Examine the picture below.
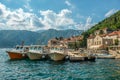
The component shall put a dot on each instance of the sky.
(34, 15)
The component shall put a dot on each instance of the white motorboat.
(36, 52)
(57, 53)
(75, 56)
(105, 56)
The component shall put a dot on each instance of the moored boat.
(90, 58)
(105, 56)
(57, 53)
(81, 56)
(114, 50)
(36, 52)
(75, 56)
(19, 52)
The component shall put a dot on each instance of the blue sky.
(57, 14)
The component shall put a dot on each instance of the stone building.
(53, 42)
(98, 42)
(100, 39)
(115, 35)
(65, 42)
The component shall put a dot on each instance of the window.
(100, 42)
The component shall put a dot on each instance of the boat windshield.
(58, 49)
(26, 48)
(61, 49)
(31, 48)
(36, 48)
(19, 48)
(39, 48)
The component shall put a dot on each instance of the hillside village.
(101, 36)
(72, 42)
(101, 39)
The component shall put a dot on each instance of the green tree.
(56, 38)
(112, 23)
(101, 32)
(61, 38)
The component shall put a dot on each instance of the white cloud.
(59, 20)
(88, 24)
(21, 20)
(27, 5)
(84, 26)
(88, 20)
(18, 19)
(3, 11)
(69, 4)
(109, 13)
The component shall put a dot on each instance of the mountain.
(10, 38)
(112, 23)
(40, 31)
(52, 33)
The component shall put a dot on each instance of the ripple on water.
(101, 69)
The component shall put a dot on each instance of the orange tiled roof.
(73, 38)
(114, 33)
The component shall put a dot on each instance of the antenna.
(22, 44)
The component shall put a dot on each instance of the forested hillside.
(112, 23)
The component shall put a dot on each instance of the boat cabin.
(22, 48)
(58, 49)
(39, 48)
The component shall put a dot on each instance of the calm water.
(101, 69)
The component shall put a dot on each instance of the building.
(115, 35)
(100, 40)
(53, 42)
(74, 41)
(64, 42)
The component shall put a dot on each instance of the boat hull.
(34, 56)
(56, 56)
(16, 55)
(105, 57)
(91, 58)
(74, 58)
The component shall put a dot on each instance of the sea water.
(101, 69)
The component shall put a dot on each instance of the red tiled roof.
(114, 33)
(73, 39)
